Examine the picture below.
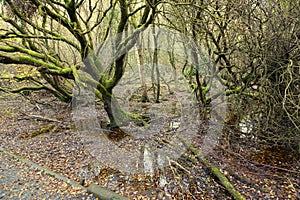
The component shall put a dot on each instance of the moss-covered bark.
(67, 32)
(215, 171)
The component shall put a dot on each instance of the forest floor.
(40, 128)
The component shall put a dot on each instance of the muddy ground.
(40, 128)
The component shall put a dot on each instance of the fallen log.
(223, 179)
(96, 190)
(104, 194)
(215, 171)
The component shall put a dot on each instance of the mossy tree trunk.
(57, 49)
(115, 113)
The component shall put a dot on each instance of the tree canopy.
(254, 45)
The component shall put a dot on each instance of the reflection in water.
(148, 161)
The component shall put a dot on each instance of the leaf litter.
(54, 145)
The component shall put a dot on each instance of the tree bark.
(114, 111)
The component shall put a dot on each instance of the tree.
(255, 48)
(59, 39)
(254, 45)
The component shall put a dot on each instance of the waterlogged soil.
(40, 128)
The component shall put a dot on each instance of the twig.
(180, 166)
(43, 118)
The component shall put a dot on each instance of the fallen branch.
(215, 171)
(104, 194)
(224, 181)
(96, 190)
(46, 171)
(42, 118)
